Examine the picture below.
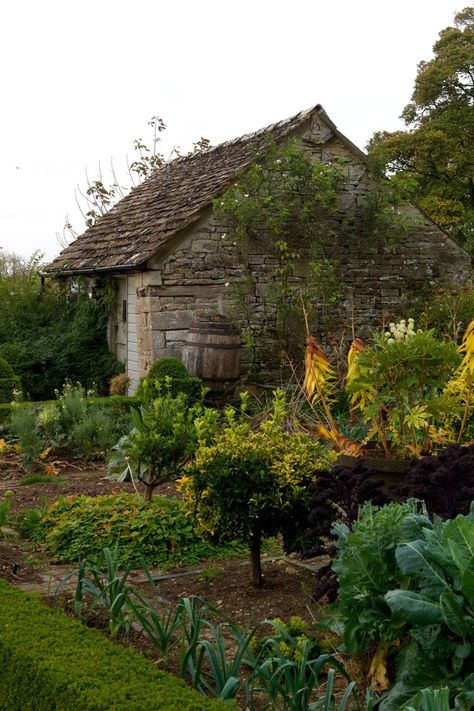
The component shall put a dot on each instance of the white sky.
(80, 80)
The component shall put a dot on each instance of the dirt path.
(87, 478)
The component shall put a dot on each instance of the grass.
(212, 573)
(39, 479)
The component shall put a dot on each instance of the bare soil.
(225, 584)
(73, 477)
(14, 566)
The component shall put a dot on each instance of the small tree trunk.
(149, 488)
(255, 546)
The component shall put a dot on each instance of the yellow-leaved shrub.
(248, 483)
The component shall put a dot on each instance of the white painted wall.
(132, 348)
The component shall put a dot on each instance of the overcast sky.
(80, 80)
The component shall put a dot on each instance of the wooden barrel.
(212, 352)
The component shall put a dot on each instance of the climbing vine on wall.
(287, 200)
(292, 203)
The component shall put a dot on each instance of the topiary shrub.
(170, 367)
(50, 661)
(171, 373)
(8, 381)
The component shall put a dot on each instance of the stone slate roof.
(167, 202)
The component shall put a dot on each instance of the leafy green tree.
(433, 159)
(52, 331)
(165, 434)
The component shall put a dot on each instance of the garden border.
(50, 661)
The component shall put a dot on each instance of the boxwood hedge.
(50, 662)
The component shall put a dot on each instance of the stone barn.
(173, 264)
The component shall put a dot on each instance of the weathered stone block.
(179, 335)
(204, 245)
(178, 320)
(159, 340)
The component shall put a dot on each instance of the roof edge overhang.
(90, 271)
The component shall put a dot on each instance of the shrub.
(246, 484)
(49, 417)
(167, 367)
(95, 433)
(165, 432)
(53, 331)
(9, 382)
(118, 405)
(5, 414)
(13, 354)
(398, 384)
(23, 424)
(87, 426)
(448, 312)
(50, 661)
(119, 384)
(28, 521)
(170, 371)
(159, 532)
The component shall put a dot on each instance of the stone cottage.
(165, 249)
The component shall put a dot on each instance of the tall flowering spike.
(353, 368)
(341, 444)
(317, 369)
(467, 347)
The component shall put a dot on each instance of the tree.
(165, 433)
(53, 331)
(433, 159)
(100, 195)
(247, 484)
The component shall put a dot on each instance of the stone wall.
(201, 273)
